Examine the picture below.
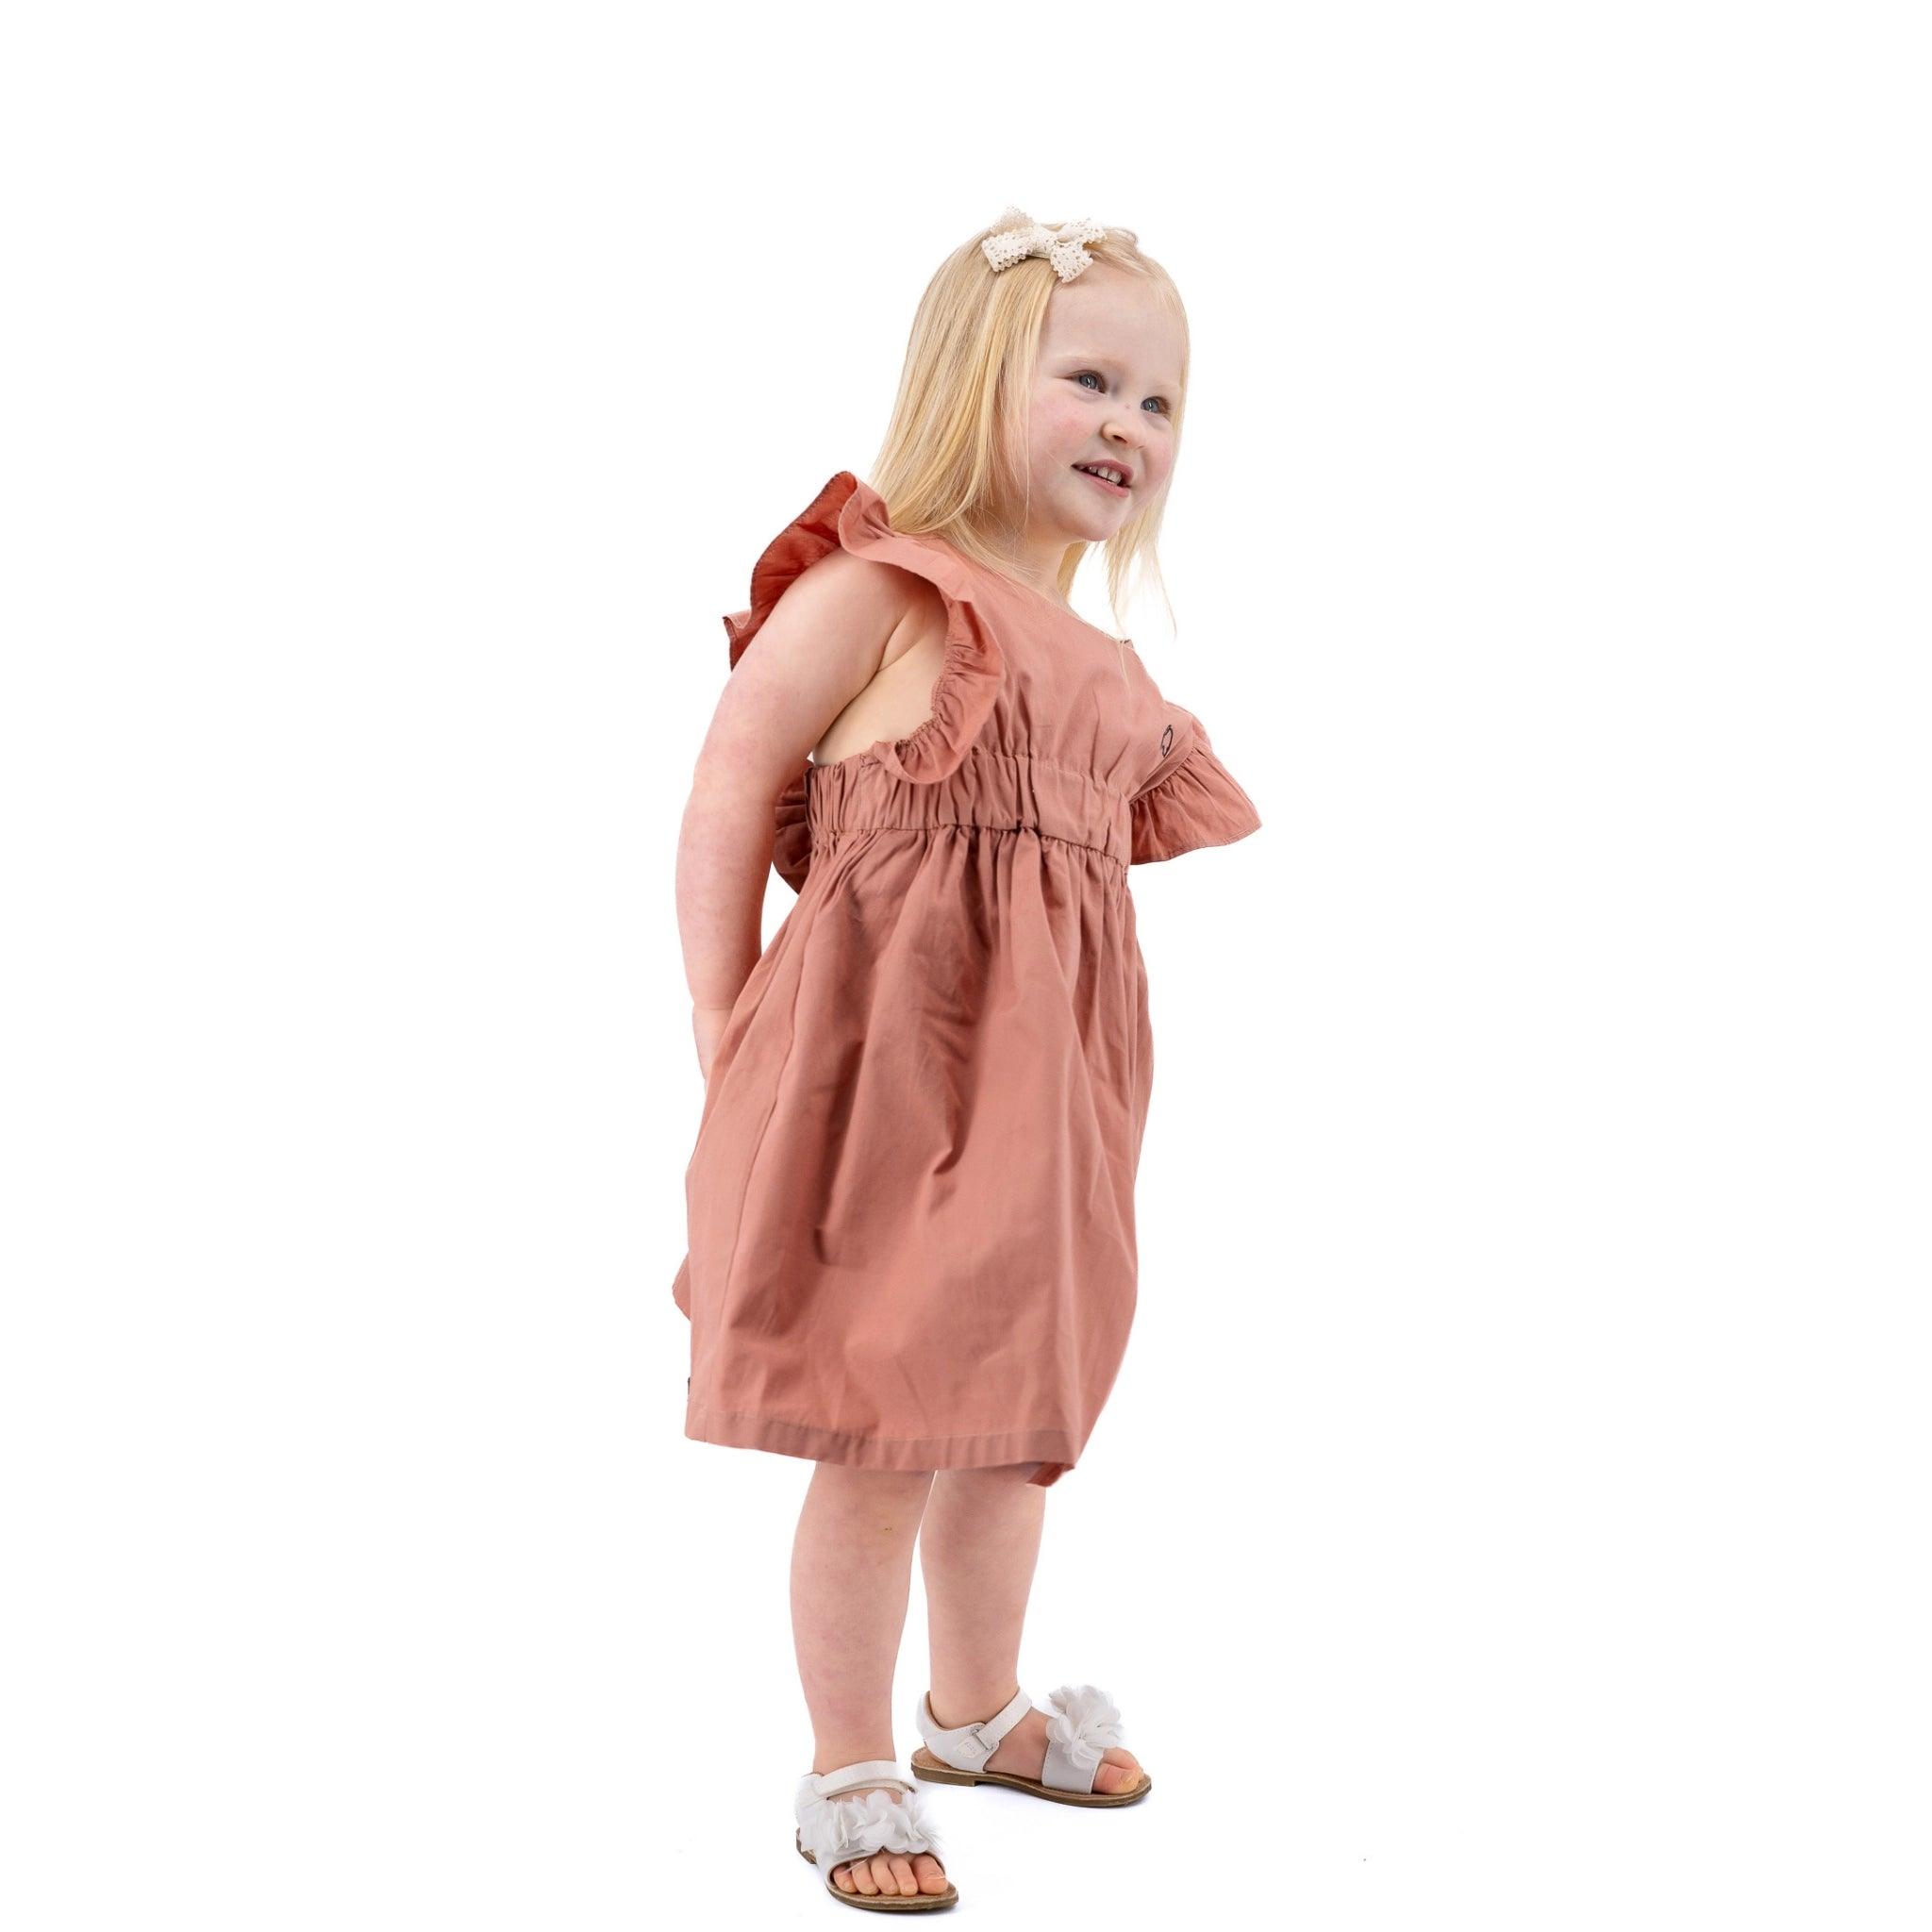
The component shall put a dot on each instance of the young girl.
(911, 1251)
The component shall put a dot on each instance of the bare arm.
(823, 644)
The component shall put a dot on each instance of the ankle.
(834, 1755)
(959, 1705)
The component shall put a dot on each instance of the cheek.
(1058, 427)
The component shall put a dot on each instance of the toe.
(932, 1874)
(903, 1878)
(842, 1878)
(1120, 1771)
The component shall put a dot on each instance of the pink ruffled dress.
(910, 1206)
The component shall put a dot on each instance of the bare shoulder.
(853, 612)
(855, 607)
(851, 651)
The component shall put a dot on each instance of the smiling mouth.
(1113, 489)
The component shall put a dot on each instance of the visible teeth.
(1113, 477)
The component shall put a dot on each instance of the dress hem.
(1053, 1449)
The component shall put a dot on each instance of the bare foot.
(889, 1874)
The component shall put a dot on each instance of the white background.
(1512, 1511)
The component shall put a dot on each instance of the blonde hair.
(953, 463)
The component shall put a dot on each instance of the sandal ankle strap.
(863, 1774)
(966, 1748)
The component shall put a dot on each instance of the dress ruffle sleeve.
(1191, 800)
(849, 513)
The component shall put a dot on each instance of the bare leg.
(978, 1546)
(977, 1549)
(851, 1577)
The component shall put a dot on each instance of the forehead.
(1113, 318)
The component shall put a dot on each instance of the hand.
(708, 1025)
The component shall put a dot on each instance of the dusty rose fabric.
(910, 1206)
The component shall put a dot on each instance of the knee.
(872, 1482)
(993, 1472)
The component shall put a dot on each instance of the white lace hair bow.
(1062, 247)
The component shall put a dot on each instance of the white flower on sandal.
(840, 1830)
(1085, 1722)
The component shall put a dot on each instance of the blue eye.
(1165, 409)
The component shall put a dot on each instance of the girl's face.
(1107, 382)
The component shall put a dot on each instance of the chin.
(1091, 511)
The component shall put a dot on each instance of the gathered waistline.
(991, 791)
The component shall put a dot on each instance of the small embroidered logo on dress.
(1167, 740)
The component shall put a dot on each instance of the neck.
(1035, 558)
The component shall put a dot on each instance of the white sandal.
(835, 1831)
(1084, 1723)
